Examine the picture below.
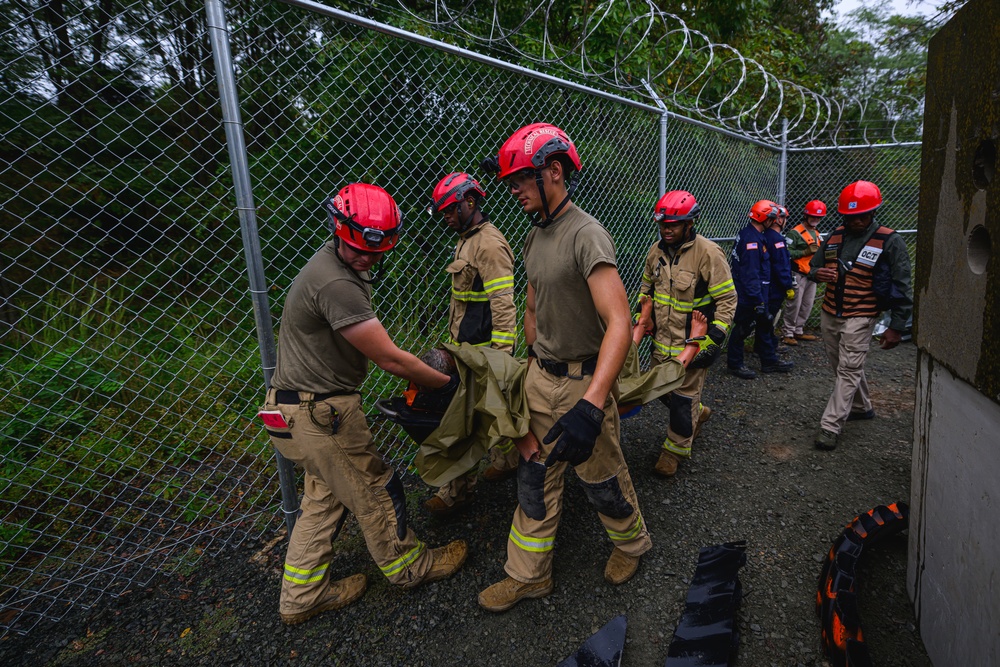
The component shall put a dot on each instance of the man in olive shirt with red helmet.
(578, 325)
(481, 310)
(684, 272)
(866, 268)
(314, 416)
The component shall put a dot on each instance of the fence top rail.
(813, 149)
(348, 17)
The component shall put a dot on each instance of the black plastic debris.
(707, 634)
(836, 591)
(604, 648)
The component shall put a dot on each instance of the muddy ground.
(754, 476)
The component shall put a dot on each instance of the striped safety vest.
(811, 238)
(852, 295)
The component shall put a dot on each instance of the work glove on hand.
(790, 294)
(579, 429)
(760, 310)
(717, 335)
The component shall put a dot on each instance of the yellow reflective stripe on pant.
(529, 544)
(455, 342)
(673, 448)
(503, 282)
(297, 575)
(628, 535)
(400, 564)
(722, 325)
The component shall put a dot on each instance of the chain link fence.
(131, 368)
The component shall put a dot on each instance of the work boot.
(505, 594)
(743, 372)
(339, 594)
(703, 416)
(620, 568)
(777, 367)
(827, 440)
(447, 561)
(495, 474)
(666, 465)
(437, 506)
(789, 340)
(805, 336)
(861, 415)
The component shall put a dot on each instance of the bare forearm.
(407, 366)
(610, 360)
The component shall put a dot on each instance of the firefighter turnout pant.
(847, 340)
(798, 309)
(344, 472)
(684, 404)
(604, 477)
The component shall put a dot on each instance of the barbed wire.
(689, 72)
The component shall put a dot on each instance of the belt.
(289, 397)
(561, 368)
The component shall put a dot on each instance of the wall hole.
(984, 164)
(979, 249)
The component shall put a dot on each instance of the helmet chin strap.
(374, 276)
(463, 225)
(574, 179)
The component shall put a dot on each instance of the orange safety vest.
(852, 295)
(811, 238)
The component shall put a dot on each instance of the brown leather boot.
(666, 465)
(447, 561)
(505, 594)
(340, 594)
(620, 568)
(438, 507)
(703, 416)
(805, 336)
(789, 340)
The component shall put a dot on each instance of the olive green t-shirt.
(558, 259)
(312, 354)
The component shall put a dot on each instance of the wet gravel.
(755, 476)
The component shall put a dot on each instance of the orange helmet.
(859, 197)
(816, 209)
(676, 206)
(763, 211)
(365, 217)
(532, 147)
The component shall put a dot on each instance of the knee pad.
(531, 488)
(608, 499)
(394, 487)
(680, 415)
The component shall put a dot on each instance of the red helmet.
(533, 147)
(365, 217)
(676, 206)
(454, 188)
(763, 211)
(816, 208)
(859, 197)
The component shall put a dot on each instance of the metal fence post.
(232, 121)
(664, 115)
(783, 164)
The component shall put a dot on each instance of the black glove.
(717, 335)
(579, 429)
(760, 309)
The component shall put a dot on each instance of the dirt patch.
(754, 476)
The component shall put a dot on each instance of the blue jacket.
(781, 265)
(751, 264)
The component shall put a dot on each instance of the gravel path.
(754, 476)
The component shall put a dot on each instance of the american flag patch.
(779, 244)
(751, 246)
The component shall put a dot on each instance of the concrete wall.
(954, 557)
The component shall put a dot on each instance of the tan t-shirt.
(312, 354)
(558, 259)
